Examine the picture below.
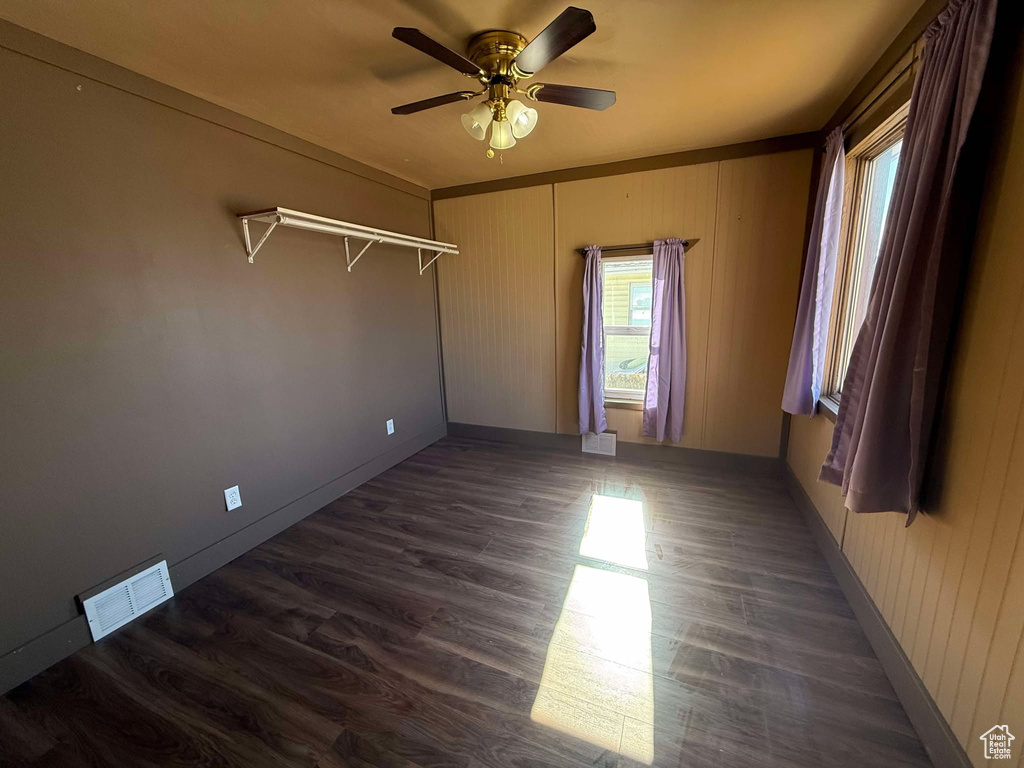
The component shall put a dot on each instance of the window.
(627, 326)
(870, 174)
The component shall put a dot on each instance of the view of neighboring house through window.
(871, 172)
(627, 326)
(640, 302)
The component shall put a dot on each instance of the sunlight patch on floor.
(597, 683)
(615, 532)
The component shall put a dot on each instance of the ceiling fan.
(499, 59)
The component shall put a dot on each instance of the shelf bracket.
(348, 254)
(248, 243)
(419, 255)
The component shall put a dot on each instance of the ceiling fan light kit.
(499, 60)
(477, 121)
(501, 135)
(522, 118)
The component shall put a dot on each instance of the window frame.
(841, 334)
(625, 396)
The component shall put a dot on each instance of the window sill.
(625, 405)
(828, 406)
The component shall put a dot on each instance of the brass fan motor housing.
(495, 50)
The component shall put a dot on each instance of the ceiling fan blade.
(437, 101)
(431, 47)
(572, 96)
(571, 26)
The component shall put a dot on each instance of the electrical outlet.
(233, 498)
(391, 426)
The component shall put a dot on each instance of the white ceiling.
(689, 73)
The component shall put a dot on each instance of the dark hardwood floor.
(459, 610)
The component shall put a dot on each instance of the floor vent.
(116, 606)
(603, 444)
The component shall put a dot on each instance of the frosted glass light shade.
(522, 118)
(475, 121)
(501, 135)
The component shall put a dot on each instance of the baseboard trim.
(933, 730)
(207, 560)
(44, 651)
(520, 436)
(762, 465)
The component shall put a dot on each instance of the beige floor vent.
(603, 444)
(116, 606)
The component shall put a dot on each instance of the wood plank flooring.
(442, 614)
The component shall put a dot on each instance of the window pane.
(881, 176)
(627, 322)
(641, 296)
(627, 292)
(625, 362)
(874, 211)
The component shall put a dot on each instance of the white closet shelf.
(286, 217)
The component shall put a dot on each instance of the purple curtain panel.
(592, 418)
(810, 335)
(890, 393)
(666, 370)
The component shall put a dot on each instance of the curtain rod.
(860, 108)
(854, 116)
(687, 245)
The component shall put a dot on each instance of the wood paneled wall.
(635, 208)
(951, 586)
(740, 298)
(497, 312)
(762, 209)
(809, 443)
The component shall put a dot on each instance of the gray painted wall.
(145, 365)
